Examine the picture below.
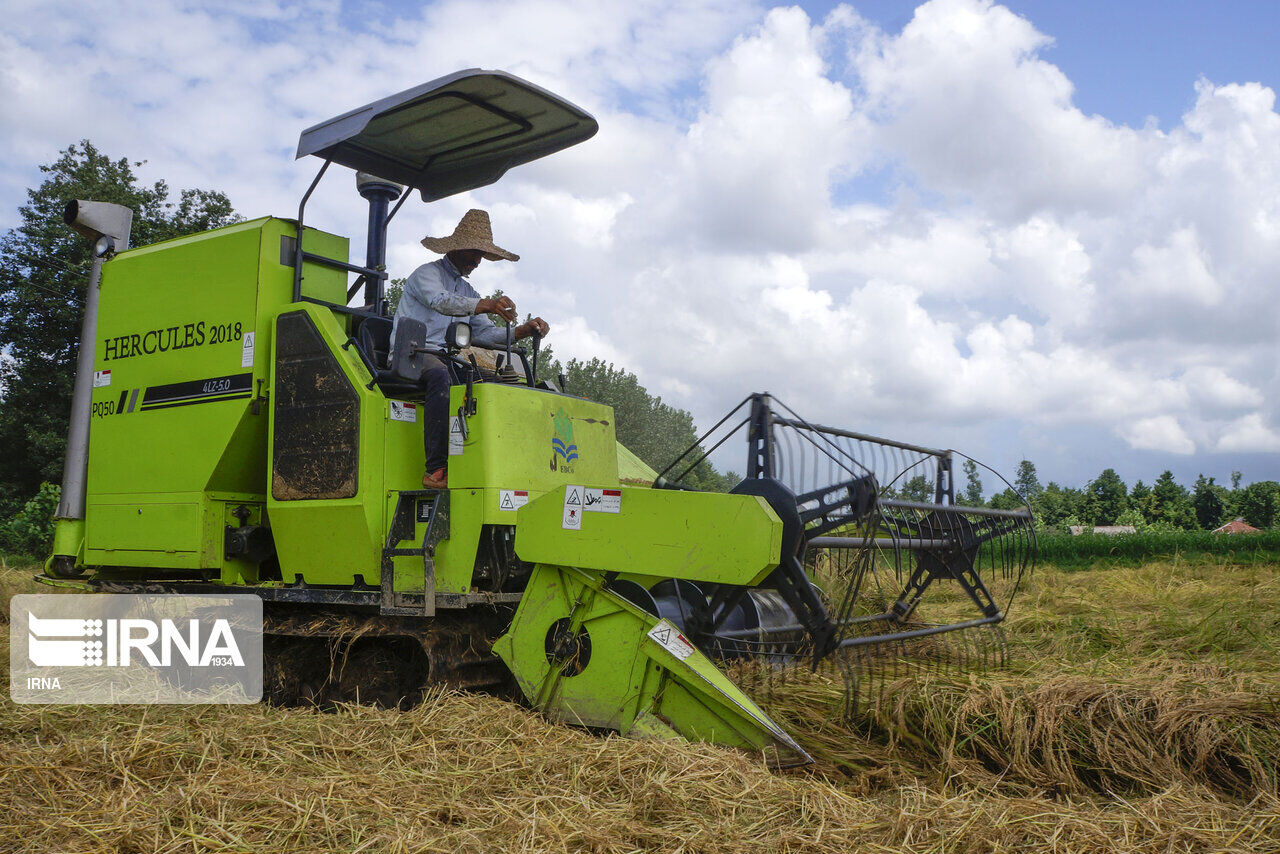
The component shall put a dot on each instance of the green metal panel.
(173, 403)
(702, 536)
(620, 676)
(332, 540)
(632, 470)
(523, 438)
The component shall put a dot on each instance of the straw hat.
(473, 232)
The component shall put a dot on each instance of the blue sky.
(1135, 58)
(959, 211)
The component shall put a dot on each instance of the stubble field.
(1139, 712)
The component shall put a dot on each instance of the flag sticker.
(669, 638)
(512, 499)
(101, 378)
(602, 500)
(404, 411)
(572, 520)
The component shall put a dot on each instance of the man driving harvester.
(437, 293)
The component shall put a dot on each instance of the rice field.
(1139, 711)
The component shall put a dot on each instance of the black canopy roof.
(462, 131)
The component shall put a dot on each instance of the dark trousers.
(435, 409)
(435, 412)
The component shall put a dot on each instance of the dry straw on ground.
(1173, 752)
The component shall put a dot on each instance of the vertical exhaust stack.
(380, 193)
(107, 226)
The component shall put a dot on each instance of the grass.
(1094, 550)
(1138, 713)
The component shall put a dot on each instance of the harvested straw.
(1146, 761)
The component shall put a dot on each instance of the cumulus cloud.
(916, 229)
(1250, 433)
(1161, 433)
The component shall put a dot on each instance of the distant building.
(1237, 526)
(1109, 530)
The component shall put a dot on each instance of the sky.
(1027, 230)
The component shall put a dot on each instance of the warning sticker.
(404, 411)
(602, 500)
(669, 638)
(572, 508)
(512, 499)
(101, 378)
(246, 350)
(456, 439)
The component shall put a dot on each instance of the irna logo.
(61, 642)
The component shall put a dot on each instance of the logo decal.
(562, 444)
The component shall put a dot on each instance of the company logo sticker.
(114, 648)
(563, 449)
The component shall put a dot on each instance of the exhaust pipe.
(107, 225)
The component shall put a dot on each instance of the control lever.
(533, 371)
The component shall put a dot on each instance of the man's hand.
(528, 328)
(502, 306)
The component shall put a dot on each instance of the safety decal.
(246, 350)
(669, 638)
(402, 410)
(457, 440)
(572, 520)
(512, 499)
(602, 500)
(101, 378)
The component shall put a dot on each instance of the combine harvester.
(240, 426)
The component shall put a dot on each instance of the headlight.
(458, 335)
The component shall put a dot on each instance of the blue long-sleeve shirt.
(436, 294)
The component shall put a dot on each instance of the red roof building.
(1237, 526)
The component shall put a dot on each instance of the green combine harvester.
(240, 425)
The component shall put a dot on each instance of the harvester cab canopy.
(447, 136)
(453, 134)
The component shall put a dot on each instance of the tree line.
(1165, 504)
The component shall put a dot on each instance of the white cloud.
(1161, 433)
(916, 228)
(1250, 433)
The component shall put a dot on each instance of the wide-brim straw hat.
(473, 232)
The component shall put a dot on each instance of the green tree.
(1057, 504)
(972, 485)
(1210, 502)
(918, 488)
(1009, 499)
(1259, 503)
(1172, 503)
(1026, 482)
(1140, 499)
(1107, 498)
(395, 290)
(43, 274)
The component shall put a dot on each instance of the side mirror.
(458, 335)
(410, 337)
